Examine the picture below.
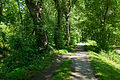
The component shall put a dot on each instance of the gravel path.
(81, 64)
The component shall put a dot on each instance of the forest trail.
(80, 62)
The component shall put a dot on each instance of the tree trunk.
(35, 9)
(68, 30)
(68, 23)
(58, 30)
(103, 44)
(41, 40)
(57, 37)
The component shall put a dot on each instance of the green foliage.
(106, 65)
(111, 55)
(91, 45)
(100, 23)
(19, 69)
(19, 42)
(62, 51)
(63, 71)
(70, 48)
(4, 49)
(65, 50)
(17, 74)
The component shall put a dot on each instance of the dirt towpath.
(81, 64)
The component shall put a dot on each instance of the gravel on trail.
(81, 64)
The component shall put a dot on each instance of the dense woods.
(32, 32)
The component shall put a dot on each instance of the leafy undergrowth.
(106, 65)
(63, 71)
(91, 45)
(62, 51)
(25, 65)
(16, 71)
(65, 50)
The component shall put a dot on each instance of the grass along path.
(106, 65)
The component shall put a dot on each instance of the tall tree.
(36, 11)
(101, 21)
(59, 4)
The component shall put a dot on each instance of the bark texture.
(36, 11)
(68, 22)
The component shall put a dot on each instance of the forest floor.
(81, 64)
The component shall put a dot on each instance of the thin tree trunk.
(21, 18)
(105, 17)
(68, 23)
(1, 11)
(68, 31)
(104, 35)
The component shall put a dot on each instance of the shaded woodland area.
(34, 32)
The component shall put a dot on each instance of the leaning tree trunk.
(36, 9)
